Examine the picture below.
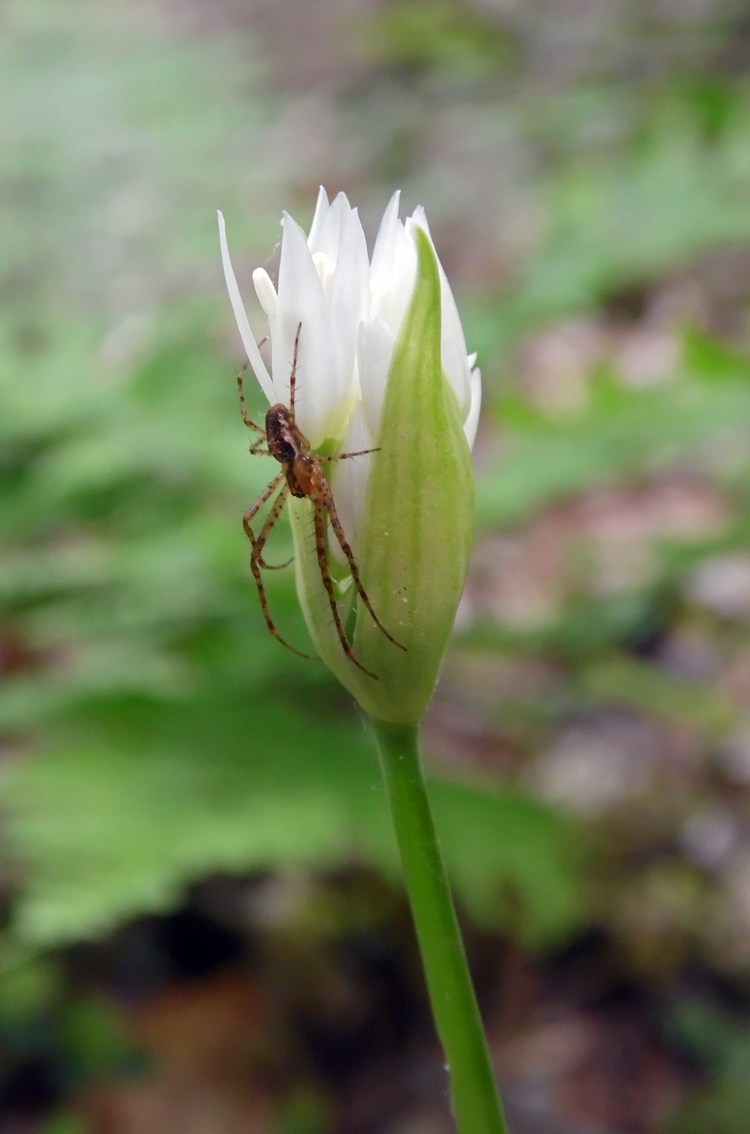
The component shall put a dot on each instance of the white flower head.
(350, 309)
(381, 365)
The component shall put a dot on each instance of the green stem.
(476, 1104)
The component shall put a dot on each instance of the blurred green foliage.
(720, 1102)
(174, 735)
(156, 733)
(622, 435)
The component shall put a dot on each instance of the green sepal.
(417, 529)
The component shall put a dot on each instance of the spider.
(302, 474)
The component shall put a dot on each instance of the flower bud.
(381, 365)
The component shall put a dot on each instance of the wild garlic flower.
(382, 365)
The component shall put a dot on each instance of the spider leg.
(253, 510)
(325, 574)
(243, 407)
(275, 566)
(293, 374)
(339, 532)
(258, 543)
(259, 504)
(346, 456)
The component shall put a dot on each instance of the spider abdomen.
(285, 441)
(304, 476)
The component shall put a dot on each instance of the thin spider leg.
(265, 495)
(325, 574)
(253, 510)
(275, 566)
(293, 375)
(346, 456)
(256, 556)
(339, 532)
(243, 406)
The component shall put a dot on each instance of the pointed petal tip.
(240, 315)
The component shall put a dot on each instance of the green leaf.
(137, 799)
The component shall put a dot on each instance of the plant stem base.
(476, 1104)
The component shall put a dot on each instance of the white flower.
(381, 364)
(350, 310)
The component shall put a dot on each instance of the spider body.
(303, 476)
(290, 447)
(285, 441)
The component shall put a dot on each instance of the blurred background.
(203, 929)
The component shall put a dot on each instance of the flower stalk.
(381, 394)
(475, 1101)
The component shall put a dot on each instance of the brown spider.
(303, 475)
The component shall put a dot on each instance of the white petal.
(419, 218)
(382, 253)
(319, 217)
(321, 390)
(350, 291)
(349, 482)
(397, 295)
(453, 347)
(329, 237)
(326, 269)
(472, 421)
(394, 266)
(265, 291)
(246, 334)
(375, 343)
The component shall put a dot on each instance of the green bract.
(416, 528)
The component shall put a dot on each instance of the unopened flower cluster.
(350, 309)
(382, 365)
